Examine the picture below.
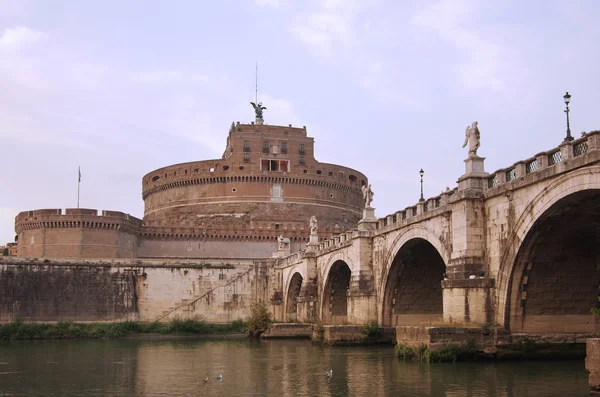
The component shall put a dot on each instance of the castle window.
(246, 146)
(225, 167)
(234, 190)
(265, 146)
(242, 167)
(301, 161)
(186, 172)
(284, 147)
(301, 149)
(274, 165)
(277, 226)
(155, 178)
(330, 173)
(352, 178)
(306, 171)
(318, 172)
(246, 156)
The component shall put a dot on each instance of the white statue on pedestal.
(472, 138)
(281, 240)
(313, 225)
(367, 194)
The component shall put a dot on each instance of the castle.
(267, 184)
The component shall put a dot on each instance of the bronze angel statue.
(258, 109)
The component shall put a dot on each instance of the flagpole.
(78, 183)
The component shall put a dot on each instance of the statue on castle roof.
(258, 109)
(472, 138)
(367, 194)
(281, 241)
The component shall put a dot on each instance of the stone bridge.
(518, 248)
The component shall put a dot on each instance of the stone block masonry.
(592, 364)
(119, 290)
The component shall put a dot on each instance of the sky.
(385, 87)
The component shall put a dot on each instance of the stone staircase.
(185, 305)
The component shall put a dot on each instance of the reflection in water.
(263, 368)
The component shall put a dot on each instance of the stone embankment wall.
(592, 364)
(118, 290)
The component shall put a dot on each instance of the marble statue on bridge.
(367, 195)
(313, 225)
(472, 138)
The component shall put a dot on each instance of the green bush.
(259, 319)
(404, 351)
(65, 329)
(372, 331)
(596, 310)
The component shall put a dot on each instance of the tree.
(259, 319)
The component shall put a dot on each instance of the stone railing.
(291, 259)
(338, 241)
(414, 213)
(567, 150)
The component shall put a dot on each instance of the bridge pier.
(362, 299)
(307, 303)
(468, 301)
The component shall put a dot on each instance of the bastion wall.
(119, 290)
(77, 233)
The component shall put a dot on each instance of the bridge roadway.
(518, 248)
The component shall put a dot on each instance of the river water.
(127, 367)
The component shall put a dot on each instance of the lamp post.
(421, 173)
(567, 98)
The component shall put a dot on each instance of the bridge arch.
(334, 296)
(549, 276)
(411, 290)
(291, 298)
(287, 282)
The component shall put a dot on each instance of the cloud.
(7, 217)
(171, 77)
(271, 3)
(19, 37)
(486, 63)
(330, 25)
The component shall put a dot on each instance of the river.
(175, 367)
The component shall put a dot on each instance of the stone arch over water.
(556, 274)
(412, 292)
(335, 294)
(291, 307)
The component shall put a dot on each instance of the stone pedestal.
(369, 220)
(313, 243)
(592, 364)
(474, 166)
(475, 174)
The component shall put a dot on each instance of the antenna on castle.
(256, 86)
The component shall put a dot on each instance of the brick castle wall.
(78, 233)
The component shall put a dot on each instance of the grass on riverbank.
(64, 329)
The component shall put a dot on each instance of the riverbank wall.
(592, 364)
(43, 290)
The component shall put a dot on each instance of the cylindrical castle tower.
(267, 184)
